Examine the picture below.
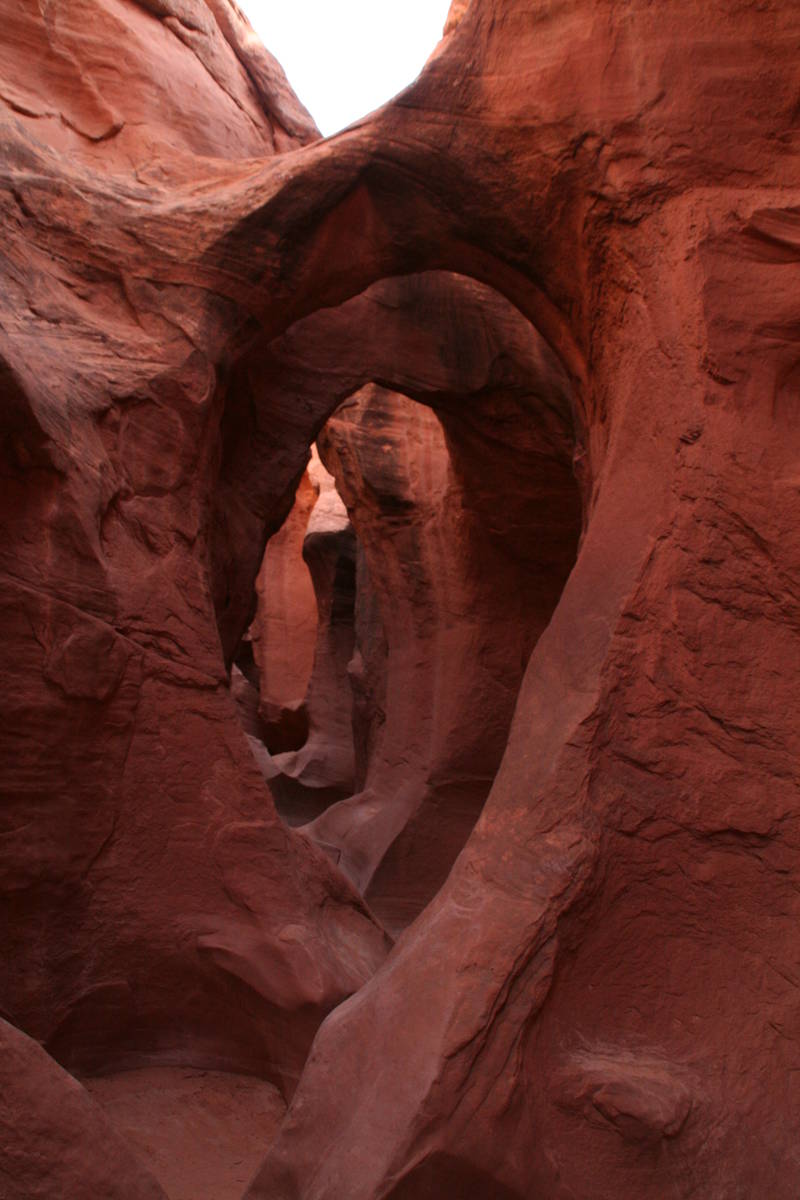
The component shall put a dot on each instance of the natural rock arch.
(629, 178)
(507, 408)
(437, 337)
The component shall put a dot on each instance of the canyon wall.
(468, 540)
(283, 634)
(155, 908)
(575, 239)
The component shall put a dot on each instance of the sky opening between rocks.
(345, 59)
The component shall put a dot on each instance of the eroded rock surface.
(468, 543)
(283, 634)
(156, 909)
(626, 907)
(54, 1140)
(322, 769)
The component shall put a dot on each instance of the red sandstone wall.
(601, 1000)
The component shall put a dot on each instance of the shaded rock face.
(298, 652)
(600, 1001)
(155, 908)
(468, 526)
(54, 1140)
(467, 549)
(201, 1133)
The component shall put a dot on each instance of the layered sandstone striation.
(600, 1000)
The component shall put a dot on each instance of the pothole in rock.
(203, 1134)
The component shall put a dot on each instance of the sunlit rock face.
(284, 629)
(600, 999)
(321, 769)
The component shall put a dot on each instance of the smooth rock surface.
(283, 633)
(201, 1133)
(323, 768)
(468, 543)
(55, 1142)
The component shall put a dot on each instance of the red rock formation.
(468, 561)
(434, 337)
(155, 907)
(54, 1140)
(479, 589)
(322, 769)
(601, 1000)
(284, 630)
(603, 986)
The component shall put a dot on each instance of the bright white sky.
(346, 57)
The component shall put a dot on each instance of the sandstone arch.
(628, 176)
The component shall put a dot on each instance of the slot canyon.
(400, 610)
